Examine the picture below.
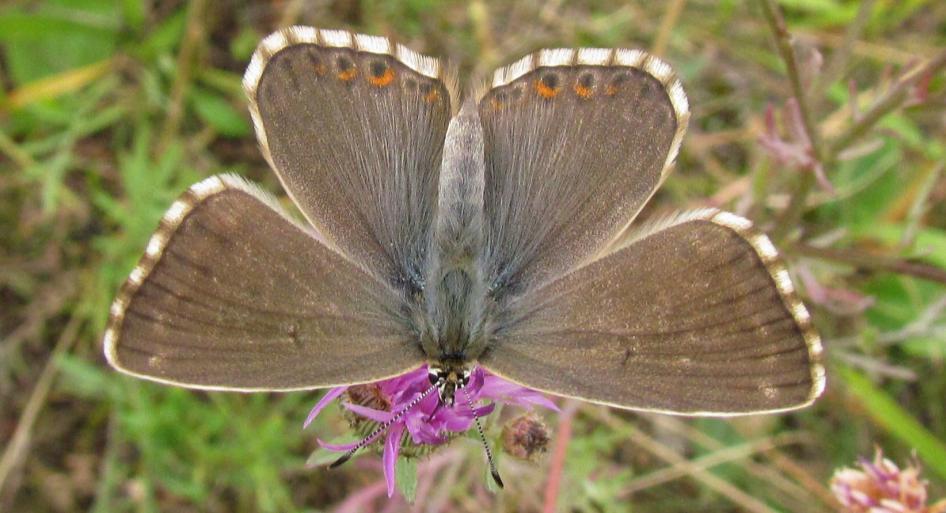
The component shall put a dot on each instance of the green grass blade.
(886, 413)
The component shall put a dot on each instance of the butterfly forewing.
(696, 316)
(232, 294)
(576, 142)
(354, 126)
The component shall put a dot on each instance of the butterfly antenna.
(383, 427)
(489, 453)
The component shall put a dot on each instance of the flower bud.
(525, 437)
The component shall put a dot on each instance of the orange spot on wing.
(544, 90)
(348, 74)
(319, 69)
(611, 90)
(384, 79)
(496, 104)
(584, 92)
(432, 96)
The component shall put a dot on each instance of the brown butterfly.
(497, 234)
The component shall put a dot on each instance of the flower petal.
(323, 402)
(392, 445)
(504, 391)
(405, 384)
(368, 413)
(424, 431)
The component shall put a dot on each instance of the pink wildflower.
(428, 423)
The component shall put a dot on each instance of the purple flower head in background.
(880, 486)
(429, 422)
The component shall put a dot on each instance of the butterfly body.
(458, 308)
(501, 234)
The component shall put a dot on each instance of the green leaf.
(323, 456)
(405, 473)
(219, 113)
(887, 414)
(56, 38)
(165, 38)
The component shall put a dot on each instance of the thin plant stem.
(557, 461)
(887, 103)
(797, 492)
(838, 63)
(184, 67)
(796, 205)
(719, 485)
(19, 444)
(784, 44)
(863, 260)
(825, 155)
(723, 455)
(669, 21)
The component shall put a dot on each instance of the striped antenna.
(479, 428)
(384, 426)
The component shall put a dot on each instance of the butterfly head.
(449, 377)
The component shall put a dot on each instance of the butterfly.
(496, 231)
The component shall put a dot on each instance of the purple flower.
(880, 486)
(428, 423)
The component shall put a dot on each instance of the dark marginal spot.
(288, 72)
(344, 63)
(315, 62)
(378, 68)
(617, 83)
(584, 87)
(627, 355)
(410, 84)
(586, 80)
(498, 100)
(429, 91)
(516, 93)
(346, 68)
(381, 74)
(547, 86)
(652, 89)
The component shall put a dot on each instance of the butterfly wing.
(232, 294)
(694, 315)
(576, 142)
(354, 127)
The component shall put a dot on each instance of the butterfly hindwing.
(695, 315)
(232, 294)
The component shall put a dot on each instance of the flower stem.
(891, 100)
(863, 260)
(783, 42)
(838, 64)
(557, 464)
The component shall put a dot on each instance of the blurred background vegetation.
(830, 137)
